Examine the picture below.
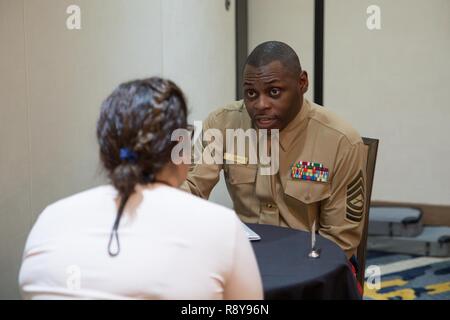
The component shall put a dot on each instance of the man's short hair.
(270, 51)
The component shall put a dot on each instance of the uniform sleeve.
(203, 177)
(244, 281)
(342, 214)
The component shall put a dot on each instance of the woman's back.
(172, 246)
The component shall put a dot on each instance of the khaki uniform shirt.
(314, 135)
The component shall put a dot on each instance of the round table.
(288, 273)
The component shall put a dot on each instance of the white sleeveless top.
(173, 246)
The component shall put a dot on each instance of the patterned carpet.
(406, 277)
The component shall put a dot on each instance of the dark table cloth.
(288, 273)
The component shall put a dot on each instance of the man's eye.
(275, 92)
(251, 94)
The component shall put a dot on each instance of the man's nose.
(263, 103)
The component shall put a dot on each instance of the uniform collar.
(292, 130)
(289, 134)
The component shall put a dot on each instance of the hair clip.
(127, 155)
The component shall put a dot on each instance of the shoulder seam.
(336, 130)
(224, 109)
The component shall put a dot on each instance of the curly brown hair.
(134, 134)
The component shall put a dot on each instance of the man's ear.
(304, 82)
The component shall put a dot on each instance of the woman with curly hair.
(139, 237)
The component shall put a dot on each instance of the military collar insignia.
(236, 159)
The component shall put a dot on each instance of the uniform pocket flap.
(241, 174)
(307, 191)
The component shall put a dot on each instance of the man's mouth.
(265, 122)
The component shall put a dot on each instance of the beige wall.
(199, 53)
(289, 21)
(69, 74)
(15, 173)
(393, 84)
(52, 82)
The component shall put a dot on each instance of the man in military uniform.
(322, 159)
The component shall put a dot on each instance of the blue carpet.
(431, 282)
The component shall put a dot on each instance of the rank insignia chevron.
(356, 198)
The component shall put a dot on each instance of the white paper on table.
(252, 235)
